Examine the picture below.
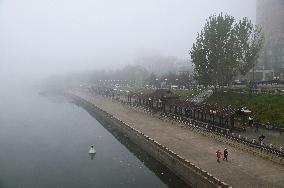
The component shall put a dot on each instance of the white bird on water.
(92, 150)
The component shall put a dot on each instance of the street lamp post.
(156, 82)
(166, 81)
(213, 113)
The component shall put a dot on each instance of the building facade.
(270, 16)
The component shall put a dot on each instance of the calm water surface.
(44, 143)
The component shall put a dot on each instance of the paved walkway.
(242, 170)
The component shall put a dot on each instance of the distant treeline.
(132, 74)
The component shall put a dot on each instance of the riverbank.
(242, 170)
(160, 170)
(190, 173)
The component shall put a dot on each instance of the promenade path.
(242, 169)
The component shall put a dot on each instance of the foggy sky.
(43, 37)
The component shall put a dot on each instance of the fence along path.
(242, 170)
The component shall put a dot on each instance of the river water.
(44, 143)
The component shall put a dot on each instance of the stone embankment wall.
(187, 171)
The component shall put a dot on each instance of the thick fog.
(44, 37)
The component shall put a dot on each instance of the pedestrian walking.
(225, 154)
(256, 127)
(218, 154)
(281, 130)
(261, 138)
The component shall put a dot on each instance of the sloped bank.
(184, 169)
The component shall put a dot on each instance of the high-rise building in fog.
(270, 15)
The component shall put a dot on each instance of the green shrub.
(264, 107)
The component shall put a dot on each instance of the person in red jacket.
(218, 154)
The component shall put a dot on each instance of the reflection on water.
(44, 143)
(92, 155)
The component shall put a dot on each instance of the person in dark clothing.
(256, 127)
(225, 154)
(260, 139)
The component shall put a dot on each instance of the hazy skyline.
(43, 37)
